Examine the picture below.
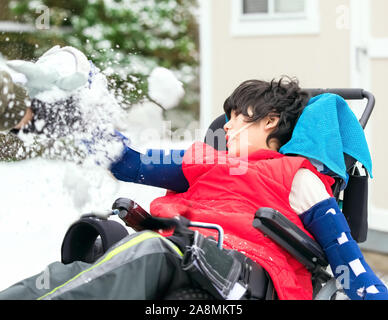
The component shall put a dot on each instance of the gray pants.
(143, 265)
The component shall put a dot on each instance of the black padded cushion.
(79, 243)
(215, 135)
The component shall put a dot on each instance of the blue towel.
(325, 131)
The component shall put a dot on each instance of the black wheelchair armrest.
(291, 238)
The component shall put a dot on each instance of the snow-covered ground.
(41, 198)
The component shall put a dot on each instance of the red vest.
(228, 191)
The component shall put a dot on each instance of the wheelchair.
(93, 234)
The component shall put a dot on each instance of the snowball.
(39, 124)
(165, 88)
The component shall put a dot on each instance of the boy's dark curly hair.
(256, 99)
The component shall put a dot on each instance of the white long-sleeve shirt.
(306, 191)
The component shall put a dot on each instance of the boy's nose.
(227, 126)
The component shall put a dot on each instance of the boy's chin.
(233, 152)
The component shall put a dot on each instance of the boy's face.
(244, 138)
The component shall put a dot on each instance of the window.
(252, 7)
(273, 17)
(273, 7)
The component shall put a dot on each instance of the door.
(369, 70)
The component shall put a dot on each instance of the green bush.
(126, 39)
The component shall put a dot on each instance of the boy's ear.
(271, 122)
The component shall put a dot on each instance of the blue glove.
(103, 146)
(328, 225)
(154, 168)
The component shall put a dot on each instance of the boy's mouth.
(229, 142)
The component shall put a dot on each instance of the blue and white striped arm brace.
(328, 225)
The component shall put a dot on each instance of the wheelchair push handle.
(131, 213)
(346, 93)
(351, 94)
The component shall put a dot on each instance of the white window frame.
(267, 24)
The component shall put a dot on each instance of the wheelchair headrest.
(215, 135)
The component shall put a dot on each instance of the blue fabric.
(155, 168)
(326, 129)
(93, 71)
(92, 144)
(326, 223)
(163, 170)
(327, 227)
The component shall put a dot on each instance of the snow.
(41, 198)
(16, 76)
(164, 88)
(66, 68)
(95, 32)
